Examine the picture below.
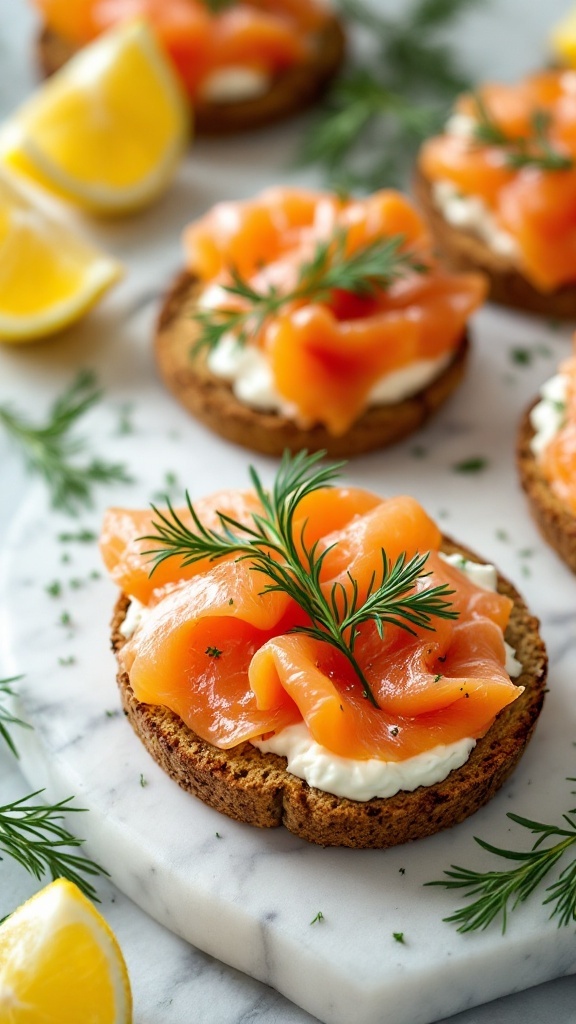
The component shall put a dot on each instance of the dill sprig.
(374, 265)
(51, 449)
(377, 113)
(500, 892)
(32, 834)
(536, 151)
(292, 567)
(6, 718)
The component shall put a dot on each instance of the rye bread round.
(211, 399)
(461, 250)
(256, 789)
(290, 91)
(556, 522)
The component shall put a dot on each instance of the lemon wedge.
(106, 131)
(60, 963)
(49, 275)
(563, 39)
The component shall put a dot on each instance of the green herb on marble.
(65, 558)
(112, 713)
(6, 718)
(52, 450)
(419, 451)
(213, 652)
(521, 356)
(502, 535)
(218, 836)
(143, 781)
(399, 937)
(125, 424)
(65, 619)
(95, 574)
(475, 464)
(525, 570)
(54, 589)
(290, 566)
(499, 892)
(319, 917)
(526, 552)
(78, 537)
(33, 835)
(70, 660)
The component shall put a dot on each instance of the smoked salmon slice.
(225, 654)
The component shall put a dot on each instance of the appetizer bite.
(307, 320)
(499, 190)
(315, 656)
(546, 455)
(242, 65)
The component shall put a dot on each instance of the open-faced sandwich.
(499, 190)
(307, 320)
(546, 453)
(315, 656)
(242, 64)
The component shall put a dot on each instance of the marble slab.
(248, 896)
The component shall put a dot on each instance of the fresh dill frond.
(289, 565)
(32, 834)
(498, 892)
(6, 718)
(379, 111)
(52, 450)
(372, 266)
(520, 151)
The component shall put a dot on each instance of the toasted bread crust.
(462, 250)
(211, 399)
(290, 92)
(554, 519)
(255, 788)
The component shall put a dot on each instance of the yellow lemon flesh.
(108, 130)
(49, 275)
(60, 963)
(563, 39)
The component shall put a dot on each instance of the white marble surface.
(251, 895)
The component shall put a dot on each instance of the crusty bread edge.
(290, 92)
(462, 250)
(255, 788)
(554, 519)
(211, 399)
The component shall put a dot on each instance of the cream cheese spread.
(235, 84)
(549, 414)
(362, 780)
(470, 213)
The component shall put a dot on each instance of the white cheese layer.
(362, 780)
(235, 84)
(549, 414)
(249, 373)
(470, 213)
